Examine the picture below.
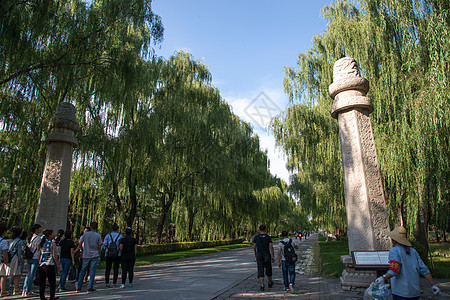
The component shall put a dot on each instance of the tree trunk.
(163, 214)
(132, 183)
(191, 215)
(421, 233)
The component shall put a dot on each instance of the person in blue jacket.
(405, 268)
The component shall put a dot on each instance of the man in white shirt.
(91, 242)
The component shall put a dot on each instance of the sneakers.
(286, 288)
(130, 285)
(271, 284)
(108, 285)
(122, 286)
(291, 288)
(261, 287)
(90, 290)
(78, 290)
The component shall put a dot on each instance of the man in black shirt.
(263, 248)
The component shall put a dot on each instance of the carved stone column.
(364, 197)
(54, 194)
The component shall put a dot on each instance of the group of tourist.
(46, 253)
(404, 270)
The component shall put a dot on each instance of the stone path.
(307, 284)
(228, 275)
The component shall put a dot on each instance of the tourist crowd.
(44, 253)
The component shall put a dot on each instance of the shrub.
(167, 248)
(342, 238)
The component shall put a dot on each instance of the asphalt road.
(202, 277)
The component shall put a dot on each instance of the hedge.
(172, 247)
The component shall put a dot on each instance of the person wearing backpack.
(67, 258)
(286, 260)
(4, 269)
(112, 254)
(33, 263)
(16, 264)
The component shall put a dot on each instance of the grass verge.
(441, 263)
(330, 258)
(154, 258)
(330, 264)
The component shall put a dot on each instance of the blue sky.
(246, 45)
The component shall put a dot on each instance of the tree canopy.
(159, 148)
(402, 48)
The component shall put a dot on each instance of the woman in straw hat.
(405, 267)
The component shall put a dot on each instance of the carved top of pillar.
(349, 88)
(65, 117)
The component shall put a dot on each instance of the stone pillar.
(364, 197)
(54, 194)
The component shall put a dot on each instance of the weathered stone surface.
(54, 194)
(364, 197)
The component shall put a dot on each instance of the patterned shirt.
(47, 254)
(406, 269)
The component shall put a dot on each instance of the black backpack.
(26, 251)
(113, 251)
(289, 252)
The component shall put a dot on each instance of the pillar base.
(355, 280)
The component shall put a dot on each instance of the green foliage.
(159, 148)
(405, 56)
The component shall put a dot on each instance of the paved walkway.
(226, 275)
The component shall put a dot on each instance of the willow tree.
(54, 51)
(403, 50)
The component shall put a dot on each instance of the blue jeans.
(86, 262)
(66, 263)
(33, 265)
(288, 271)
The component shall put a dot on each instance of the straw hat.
(399, 235)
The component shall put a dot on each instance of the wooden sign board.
(378, 260)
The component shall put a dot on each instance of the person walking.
(112, 254)
(16, 264)
(80, 256)
(67, 258)
(128, 247)
(91, 242)
(34, 242)
(47, 260)
(4, 268)
(405, 268)
(264, 253)
(287, 264)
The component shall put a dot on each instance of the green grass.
(154, 258)
(441, 268)
(330, 258)
(330, 264)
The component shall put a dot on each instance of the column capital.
(349, 88)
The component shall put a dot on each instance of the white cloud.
(277, 158)
(257, 113)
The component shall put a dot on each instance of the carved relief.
(366, 211)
